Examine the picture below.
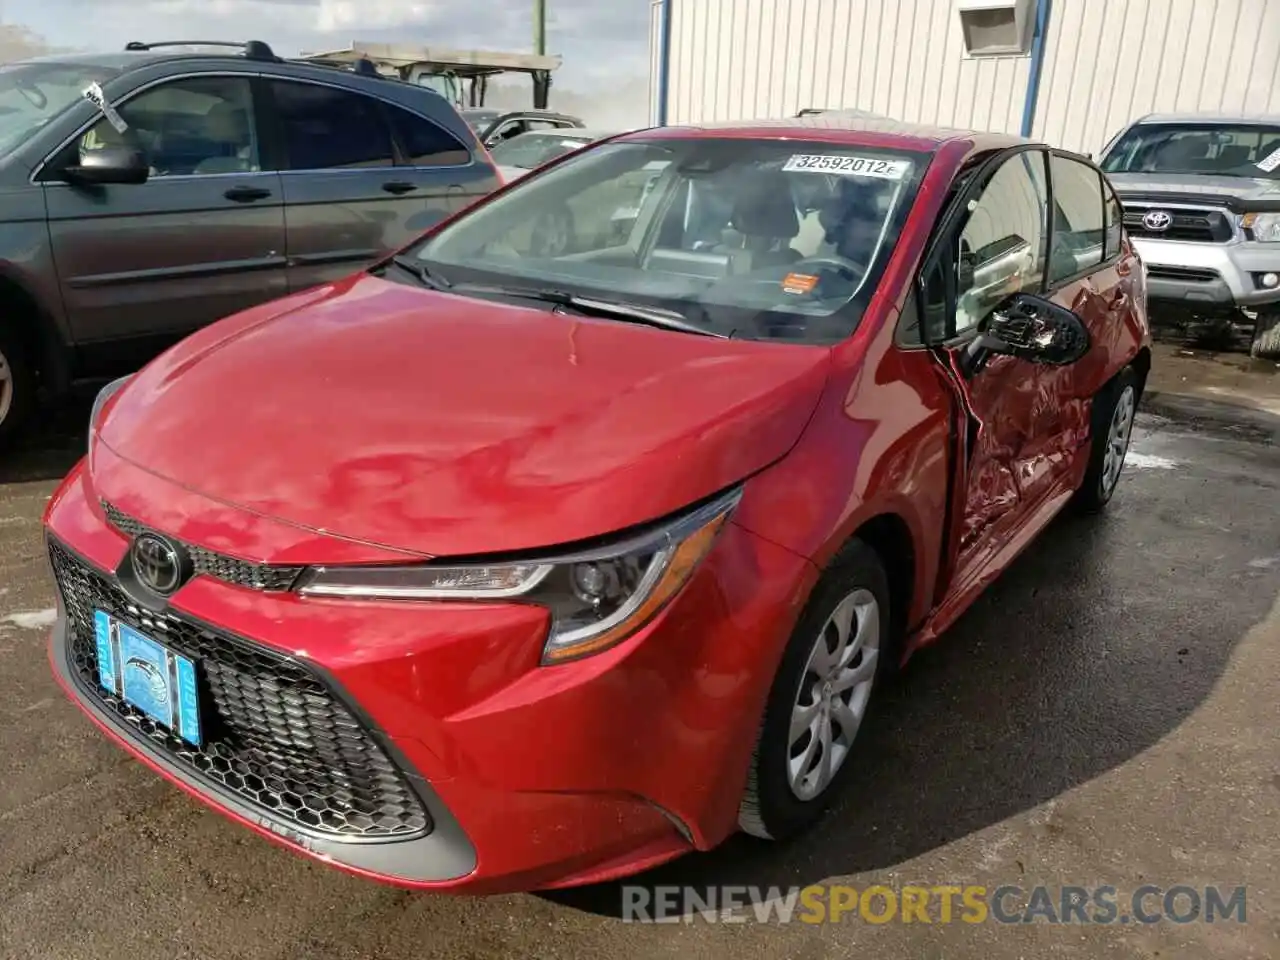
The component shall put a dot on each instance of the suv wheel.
(1266, 338)
(838, 654)
(17, 385)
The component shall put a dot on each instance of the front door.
(201, 239)
(996, 249)
(351, 195)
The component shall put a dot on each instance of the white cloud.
(601, 41)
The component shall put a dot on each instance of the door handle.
(399, 186)
(247, 194)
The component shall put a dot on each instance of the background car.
(494, 126)
(517, 156)
(201, 183)
(1201, 194)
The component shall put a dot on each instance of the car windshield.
(757, 239)
(33, 93)
(531, 150)
(1224, 150)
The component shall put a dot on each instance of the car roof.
(571, 133)
(841, 127)
(1248, 119)
(119, 60)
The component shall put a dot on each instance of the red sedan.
(538, 555)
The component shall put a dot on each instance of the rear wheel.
(1114, 409)
(1266, 338)
(17, 385)
(838, 652)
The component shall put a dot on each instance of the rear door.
(1092, 273)
(202, 238)
(347, 200)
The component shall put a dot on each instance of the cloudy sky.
(600, 40)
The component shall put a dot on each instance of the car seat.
(231, 139)
(765, 220)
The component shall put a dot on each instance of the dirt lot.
(1107, 714)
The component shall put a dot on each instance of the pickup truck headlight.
(1263, 227)
(597, 597)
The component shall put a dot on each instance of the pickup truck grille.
(1190, 225)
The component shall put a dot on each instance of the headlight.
(597, 597)
(100, 401)
(1263, 227)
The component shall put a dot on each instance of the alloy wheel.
(833, 694)
(1118, 439)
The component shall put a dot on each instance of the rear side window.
(426, 144)
(329, 129)
(1078, 222)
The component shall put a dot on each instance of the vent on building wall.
(995, 28)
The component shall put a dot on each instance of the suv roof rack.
(253, 49)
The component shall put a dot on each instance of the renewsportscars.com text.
(939, 904)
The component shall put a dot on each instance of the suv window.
(194, 126)
(329, 129)
(1078, 222)
(1001, 249)
(423, 143)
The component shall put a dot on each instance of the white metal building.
(1071, 72)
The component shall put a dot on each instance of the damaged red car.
(584, 532)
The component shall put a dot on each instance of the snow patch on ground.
(32, 620)
(1148, 461)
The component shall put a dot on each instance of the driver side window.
(1000, 251)
(197, 126)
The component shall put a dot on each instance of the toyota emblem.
(156, 564)
(1158, 221)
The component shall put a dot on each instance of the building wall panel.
(1105, 63)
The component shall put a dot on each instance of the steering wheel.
(33, 94)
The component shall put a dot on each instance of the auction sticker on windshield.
(847, 166)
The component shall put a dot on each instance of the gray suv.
(153, 191)
(1201, 198)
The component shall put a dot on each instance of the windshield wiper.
(592, 306)
(421, 272)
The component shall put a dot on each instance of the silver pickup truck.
(1201, 196)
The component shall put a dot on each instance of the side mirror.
(1034, 329)
(109, 165)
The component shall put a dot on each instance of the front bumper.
(529, 776)
(1209, 275)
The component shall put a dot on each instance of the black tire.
(771, 809)
(17, 385)
(1266, 337)
(1097, 489)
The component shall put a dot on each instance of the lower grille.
(1187, 274)
(275, 735)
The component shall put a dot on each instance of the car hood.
(510, 173)
(1228, 190)
(445, 425)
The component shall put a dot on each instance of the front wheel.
(837, 653)
(1266, 338)
(1114, 409)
